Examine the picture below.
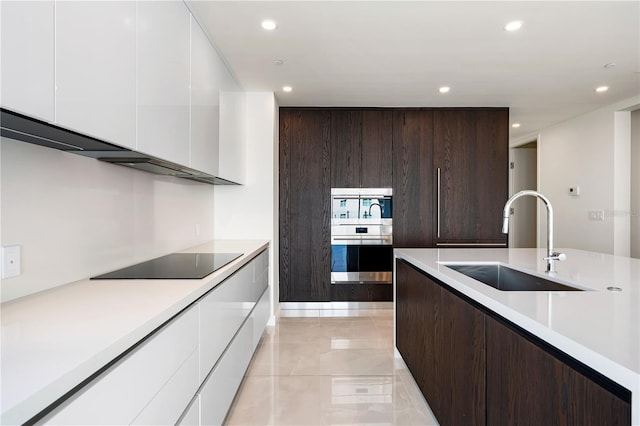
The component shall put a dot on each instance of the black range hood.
(27, 129)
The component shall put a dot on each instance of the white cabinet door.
(163, 51)
(232, 161)
(96, 69)
(27, 49)
(167, 406)
(206, 69)
(218, 391)
(191, 416)
(121, 393)
(222, 311)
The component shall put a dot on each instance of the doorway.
(523, 168)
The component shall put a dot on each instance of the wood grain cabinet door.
(305, 205)
(417, 328)
(527, 385)
(470, 160)
(461, 366)
(345, 143)
(413, 178)
(377, 149)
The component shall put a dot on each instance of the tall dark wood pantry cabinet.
(305, 210)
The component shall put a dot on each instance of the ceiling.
(397, 53)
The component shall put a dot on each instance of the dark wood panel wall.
(402, 148)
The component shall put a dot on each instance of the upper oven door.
(366, 206)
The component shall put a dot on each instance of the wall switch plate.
(574, 191)
(596, 215)
(10, 261)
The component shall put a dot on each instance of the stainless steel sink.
(507, 279)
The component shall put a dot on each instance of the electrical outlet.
(596, 215)
(10, 261)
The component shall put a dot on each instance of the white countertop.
(52, 341)
(599, 328)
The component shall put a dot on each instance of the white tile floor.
(329, 367)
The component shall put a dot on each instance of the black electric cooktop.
(174, 266)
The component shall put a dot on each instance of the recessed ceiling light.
(602, 89)
(269, 25)
(444, 89)
(287, 88)
(513, 26)
(515, 125)
(278, 62)
(610, 65)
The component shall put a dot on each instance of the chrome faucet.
(375, 204)
(551, 255)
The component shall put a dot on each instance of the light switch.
(596, 215)
(10, 261)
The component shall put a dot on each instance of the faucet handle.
(557, 256)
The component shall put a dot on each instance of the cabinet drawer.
(169, 403)
(191, 416)
(261, 272)
(222, 312)
(121, 392)
(220, 388)
(260, 317)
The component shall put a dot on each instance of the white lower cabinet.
(260, 316)
(187, 372)
(191, 416)
(122, 393)
(169, 403)
(222, 312)
(219, 389)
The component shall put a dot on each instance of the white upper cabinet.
(206, 72)
(27, 49)
(163, 51)
(96, 69)
(232, 131)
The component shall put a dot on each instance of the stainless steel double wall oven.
(361, 235)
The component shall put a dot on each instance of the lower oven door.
(351, 263)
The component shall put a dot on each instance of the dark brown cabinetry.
(447, 168)
(528, 385)
(470, 156)
(361, 148)
(305, 210)
(417, 305)
(377, 149)
(450, 176)
(345, 141)
(443, 346)
(413, 178)
(475, 368)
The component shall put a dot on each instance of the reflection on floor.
(329, 367)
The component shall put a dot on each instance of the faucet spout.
(551, 255)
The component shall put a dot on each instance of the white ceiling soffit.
(398, 53)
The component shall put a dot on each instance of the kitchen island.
(58, 346)
(595, 332)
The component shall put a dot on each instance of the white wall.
(250, 211)
(635, 184)
(590, 151)
(76, 217)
